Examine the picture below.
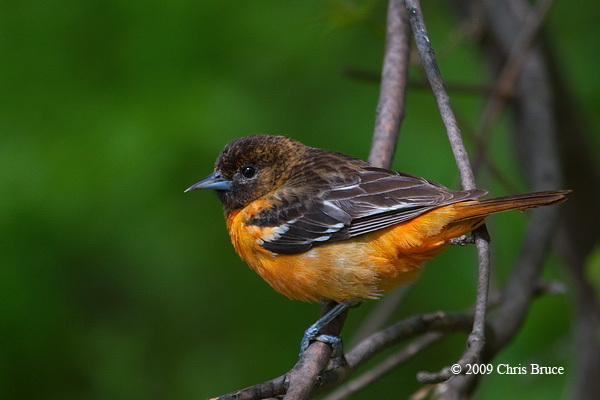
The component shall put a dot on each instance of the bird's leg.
(313, 332)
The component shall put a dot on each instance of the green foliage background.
(116, 285)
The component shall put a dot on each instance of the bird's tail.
(484, 207)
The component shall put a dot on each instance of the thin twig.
(386, 338)
(536, 129)
(476, 339)
(273, 388)
(429, 324)
(394, 78)
(304, 377)
(435, 80)
(380, 314)
(386, 366)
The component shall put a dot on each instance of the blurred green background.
(116, 285)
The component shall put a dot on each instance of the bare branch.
(380, 314)
(386, 366)
(394, 77)
(536, 128)
(386, 338)
(305, 375)
(476, 339)
(435, 80)
(266, 390)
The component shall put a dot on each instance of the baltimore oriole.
(318, 225)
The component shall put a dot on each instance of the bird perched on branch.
(321, 225)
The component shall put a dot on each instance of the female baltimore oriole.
(318, 225)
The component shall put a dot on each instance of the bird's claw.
(311, 335)
(314, 331)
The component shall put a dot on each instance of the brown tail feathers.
(482, 208)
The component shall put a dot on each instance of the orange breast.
(361, 267)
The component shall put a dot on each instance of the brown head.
(252, 167)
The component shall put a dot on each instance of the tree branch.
(386, 366)
(443, 100)
(358, 356)
(394, 334)
(305, 375)
(476, 340)
(392, 94)
(266, 390)
(536, 129)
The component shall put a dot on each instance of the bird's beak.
(214, 181)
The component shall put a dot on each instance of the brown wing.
(375, 199)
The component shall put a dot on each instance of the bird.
(321, 225)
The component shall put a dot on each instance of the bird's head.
(251, 167)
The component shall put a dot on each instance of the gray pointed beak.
(213, 181)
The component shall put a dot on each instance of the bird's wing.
(377, 199)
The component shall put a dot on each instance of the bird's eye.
(248, 172)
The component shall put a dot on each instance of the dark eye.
(248, 172)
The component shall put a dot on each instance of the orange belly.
(362, 267)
